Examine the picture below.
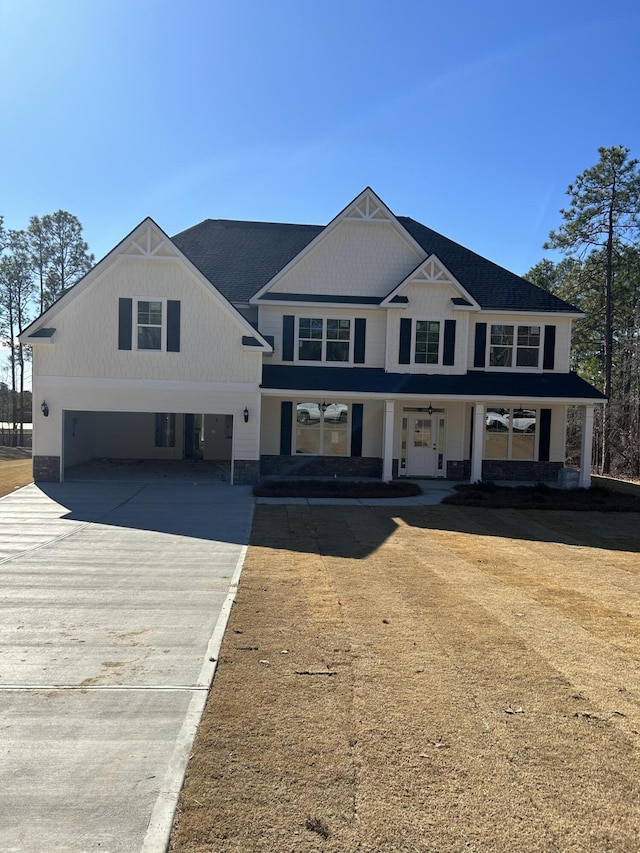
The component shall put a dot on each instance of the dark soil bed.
(335, 489)
(491, 496)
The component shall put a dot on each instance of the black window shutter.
(359, 338)
(545, 435)
(549, 352)
(286, 426)
(173, 325)
(356, 429)
(125, 323)
(287, 337)
(449, 349)
(404, 356)
(479, 353)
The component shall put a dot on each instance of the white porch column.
(478, 443)
(387, 446)
(586, 447)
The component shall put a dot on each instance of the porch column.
(586, 447)
(387, 446)
(477, 448)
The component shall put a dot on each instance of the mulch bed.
(491, 496)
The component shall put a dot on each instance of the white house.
(369, 346)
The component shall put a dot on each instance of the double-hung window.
(321, 339)
(427, 342)
(150, 327)
(514, 346)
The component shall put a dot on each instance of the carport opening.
(147, 443)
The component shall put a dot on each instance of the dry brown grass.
(485, 695)
(15, 469)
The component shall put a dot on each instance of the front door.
(425, 445)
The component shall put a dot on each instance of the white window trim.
(324, 319)
(414, 330)
(163, 334)
(347, 424)
(531, 368)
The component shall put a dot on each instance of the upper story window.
(150, 325)
(427, 342)
(322, 339)
(514, 346)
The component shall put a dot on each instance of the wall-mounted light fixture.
(44, 409)
(246, 415)
(429, 409)
(324, 406)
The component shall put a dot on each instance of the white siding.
(563, 334)
(271, 324)
(428, 301)
(356, 258)
(86, 337)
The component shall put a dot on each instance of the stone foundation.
(246, 472)
(506, 469)
(320, 466)
(46, 469)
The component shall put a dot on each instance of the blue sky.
(470, 117)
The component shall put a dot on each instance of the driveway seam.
(161, 822)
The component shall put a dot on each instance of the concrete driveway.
(113, 599)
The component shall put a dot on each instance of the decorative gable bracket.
(149, 244)
(433, 271)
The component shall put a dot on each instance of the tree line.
(599, 236)
(37, 265)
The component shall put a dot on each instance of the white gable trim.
(146, 241)
(366, 207)
(432, 271)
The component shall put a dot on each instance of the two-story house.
(371, 346)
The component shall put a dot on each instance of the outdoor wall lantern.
(324, 406)
(44, 409)
(430, 410)
(246, 415)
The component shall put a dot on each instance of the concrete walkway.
(113, 599)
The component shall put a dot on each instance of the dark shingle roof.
(474, 384)
(241, 257)
(492, 287)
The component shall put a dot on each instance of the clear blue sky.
(470, 117)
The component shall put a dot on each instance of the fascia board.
(402, 231)
(474, 306)
(344, 306)
(441, 398)
(534, 312)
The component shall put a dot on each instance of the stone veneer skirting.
(320, 466)
(46, 469)
(505, 469)
(245, 472)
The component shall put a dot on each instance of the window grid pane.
(427, 342)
